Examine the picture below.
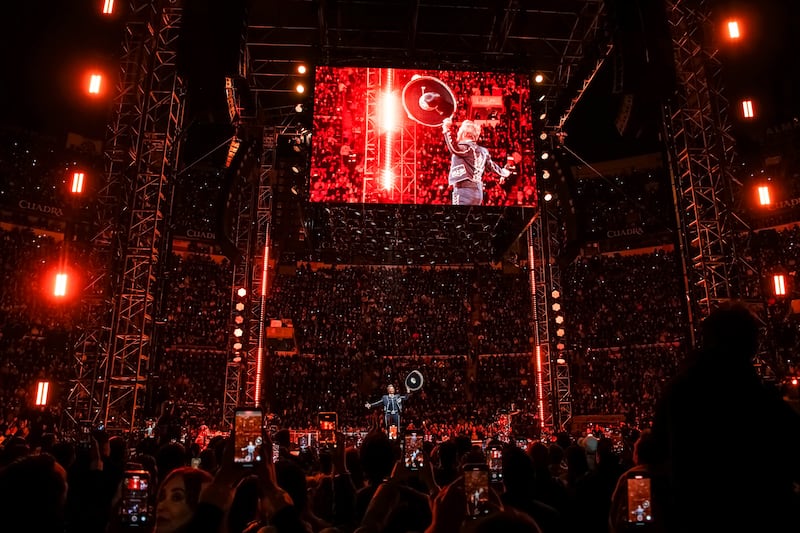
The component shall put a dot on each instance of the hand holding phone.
(494, 459)
(640, 511)
(413, 458)
(476, 489)
(134, 510)
(328, 425)
(248, 424)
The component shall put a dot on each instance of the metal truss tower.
(371, 132)
(142, 158)
(701, 150)
(405, 154)
(251, 235)
(111, 354)
(553, 392)
(390, 155)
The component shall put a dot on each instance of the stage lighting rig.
(734, 32)
(230, 98)
(747, 109)
(77, 182)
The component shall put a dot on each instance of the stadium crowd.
(34, 329)
(404, 310)
(36, 179)
(197, 301)
(414, 235)
(194, 209)
(626, 328)
(630, 207)
(467, 329)
(610, 293)
(32, 167)
(368, 483)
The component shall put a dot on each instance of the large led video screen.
(379, 137)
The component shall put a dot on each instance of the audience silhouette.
(716, 425)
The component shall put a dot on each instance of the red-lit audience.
(397, 235)
(37, 329)
(626, 209)
(405, 310)
(197, 301)
(467, 330)
(36, 179)
(624, 316)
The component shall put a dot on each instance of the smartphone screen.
(494, 459)
(247, 427)
(412, 449)
(327, 429)
(85, 433)
(135, 493)
(476, 488)
(639, 498)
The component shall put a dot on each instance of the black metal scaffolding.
(112, 355)
(702, 154)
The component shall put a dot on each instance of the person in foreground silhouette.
(728, 443)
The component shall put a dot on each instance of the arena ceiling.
(566, 41)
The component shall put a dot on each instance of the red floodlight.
(42, 392)
(108, 7)
(763, 195)
(390, 111)
(77, 182)
(60, 287)
(94, 83)
(733, 30)
(779, 283)
(747, 109)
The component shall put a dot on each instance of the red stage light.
(108, 7)
(94, 83)
(300, 88)
(779, 283)
(60, 287)
(390, 111)
(42, 390)
(387, 179)
(747, 109)
(763, 195)
(733, 29)
(77, 182)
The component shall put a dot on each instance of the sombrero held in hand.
(414, 380)
(428, 100)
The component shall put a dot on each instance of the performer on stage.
(392, 407)
(468, 163)
(249, 451)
